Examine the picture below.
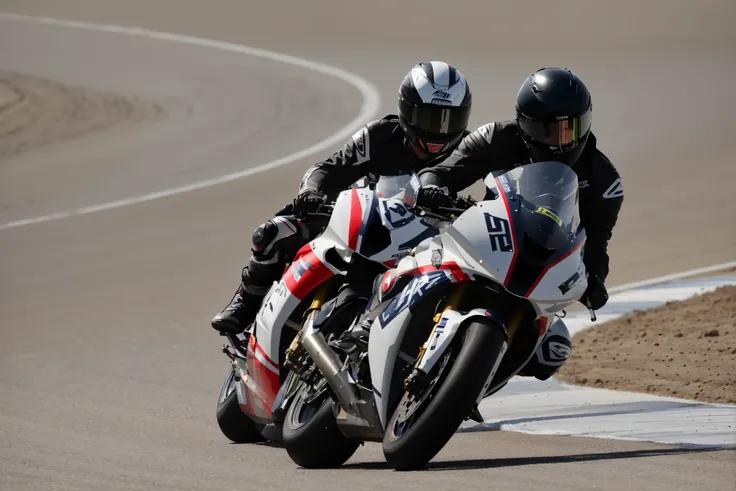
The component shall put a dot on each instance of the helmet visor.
(563, 133)
(434, 119)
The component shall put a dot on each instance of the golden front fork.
(319, 299)
(513, 327)
(453, 300)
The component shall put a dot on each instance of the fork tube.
(296, 343)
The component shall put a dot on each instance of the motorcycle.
(449, 326)
(370, 221)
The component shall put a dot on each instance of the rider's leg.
(273, 241)
(554, 351)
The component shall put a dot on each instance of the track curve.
(108, 368)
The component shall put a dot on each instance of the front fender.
(444, 332)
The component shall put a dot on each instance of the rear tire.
(311, 436)
(235, 425)
(449, 401)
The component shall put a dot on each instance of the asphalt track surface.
(109, 370)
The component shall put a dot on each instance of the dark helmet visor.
(562, 133)
(435, 119)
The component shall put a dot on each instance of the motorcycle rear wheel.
(311, 436)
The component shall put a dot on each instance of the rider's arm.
(345, 166)
(472, 160)
(600, 219)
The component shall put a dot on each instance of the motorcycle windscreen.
(543, 207)
(547, 193)
(404, 187)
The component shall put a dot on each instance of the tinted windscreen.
(549, 189)
(391, 186)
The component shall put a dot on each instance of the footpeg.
(476, 416)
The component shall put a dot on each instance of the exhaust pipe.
(339, 380)
(331, 367)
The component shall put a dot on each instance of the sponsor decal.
(361, 139)
(442, 94)
(389, 278)
(569, 283)
(486, 131)
(559, 351)
(542, 210)
(300, 268)
(615, 190)
(411, 295)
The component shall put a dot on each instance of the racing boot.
(554, 351)
(239, 313)
(243, 307)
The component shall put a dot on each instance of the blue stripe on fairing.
(364, 226)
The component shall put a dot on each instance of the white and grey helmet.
(434, 106)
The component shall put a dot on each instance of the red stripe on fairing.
(550, 266)
(266, 357)
(268, 383)
(356, 219)
(456, 271)
(313, 273)
(513, 233)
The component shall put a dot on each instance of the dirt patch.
(682, 349)
(35, 112)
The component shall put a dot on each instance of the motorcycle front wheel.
(422, 424)
(235, 425)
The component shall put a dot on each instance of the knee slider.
(264, 235)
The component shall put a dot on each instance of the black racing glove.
(595, 295)
(434, 198)
(308, 202)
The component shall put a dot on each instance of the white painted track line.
(369, 108)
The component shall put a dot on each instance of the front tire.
(311, 436)
(235, 425)
(414, 437)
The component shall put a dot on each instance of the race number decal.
(397, 214)
(499, 233)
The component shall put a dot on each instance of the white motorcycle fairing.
(484, 243)
(380, 229)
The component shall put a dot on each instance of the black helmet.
(554, 113)
(434, 106)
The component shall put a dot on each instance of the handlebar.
(461, 205)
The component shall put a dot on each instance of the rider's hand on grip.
(434, 198)
(596, 295)
(308, 202)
